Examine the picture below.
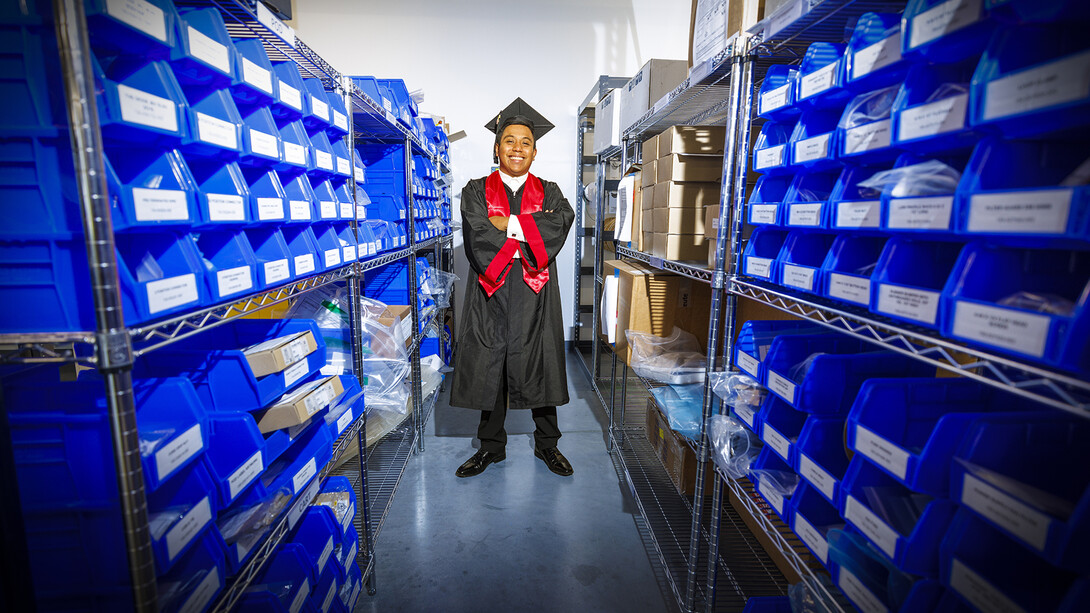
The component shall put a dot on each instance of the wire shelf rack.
(693, 271)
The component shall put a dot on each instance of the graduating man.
(511, 338)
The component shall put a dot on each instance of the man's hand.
(500, 221)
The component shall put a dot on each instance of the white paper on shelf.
(172, 292)
(349, 254)
(813, 539)
(927, 213)
(332, 257)
(812, 149)
(277, 270)
(257, 76)
(319, 107)
(348, 210)
(1043, 211)
(876, 530)
(881, 451)
(177, 451)
(867, 137)
(816, 476)
(291, 96)
(328, 602)
(264, 144)
(1051, 84)
(626, 204)
(1027, 523)
(139, 14)
(775, 99)
(818, 81)
(206, 589)
(849, 288)
(323, 160)
(920, 305)
(217, 131)
(300, 597)
(303, 475)
(942, 20)
(226, 207)
(245, 474)
(209, 51)
(294, 154)
(763, 213)
(304, 264)
(344, 167)
(769, 157)
(1008, 328)
(773, 497)
(188, 527)
(779, 443)
(934, 118)
(858, 593)
(979, 591)
(146, 109)
(864, 214)
(782, 387)
(806, 215)
(748, 363)
(160, 204)
(758, 267)
(876, 56)
(798, 276)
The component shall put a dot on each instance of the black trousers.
(493, 436)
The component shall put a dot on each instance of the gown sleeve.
(483, 241)
(546, 231)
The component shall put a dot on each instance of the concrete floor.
(516, 537)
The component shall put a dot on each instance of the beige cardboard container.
(703, 140)
(299, 405)
(684, 167)
(275, 355)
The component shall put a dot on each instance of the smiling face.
(516, 150)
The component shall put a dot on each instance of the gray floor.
(516, 537)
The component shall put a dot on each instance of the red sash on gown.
(533, 197)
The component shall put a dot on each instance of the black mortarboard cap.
(519, 107)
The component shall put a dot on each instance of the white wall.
(472, 57)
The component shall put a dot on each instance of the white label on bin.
(773, 497)
(349, 254)
(878, 531)
(1065, 80)
(168, 293)
(849, 288)
(930, 213)
(355, 594)
(296, 371)
(323, 160)
(340, 120)
(245, 475)
(813, 539)
(332, 257)
(351, 557)
(147, 109)
(142, 15)
(818, 81)
(217, 131)
(206, 589)
(945, 115)
(816, 475)
(347, 210)
(916, 304)
(779, 442)
(159, 204)
(294, 153)
(876, 56)
(177, 451)
(808, 214)
(226, 207)
(867, 137)
(300, 597)
(328, 602)
(775, 98)
(257, 76)
(772, 156)
(748, 363)
(386, 104)
(860, 596)
(358, 174)
(290, 96)
(344, 421)
(1007, 328)
(812, 148)
(305, 473)
(347, 519)
(304, 264)
(327, 209)
(866, 214)
(1036, 212)
(746, 413)
(782, 387)
(344, 167)
(801, 277)
(187, 527)
(234, 280)
(270, 209)
(326, 552)
(277, 270)
(943, 19)
(264, 144)
(1027, 523)
(209, 51)
(759, 267)
(979, 591)
(300, 209)
(763, 213)
(319, 108)
(882, 452)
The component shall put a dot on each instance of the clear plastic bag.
(798, 371)
(683, 406)
(1041, 303)
(733, 446)
(869, 107)
(676, 359)
(439, 285)
(781, 481)
(246, 525)
(385, 359)
(928, 178)
(737, 390)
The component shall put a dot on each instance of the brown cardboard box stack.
(675, 453)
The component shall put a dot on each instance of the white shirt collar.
(513, 182)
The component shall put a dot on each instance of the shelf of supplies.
(1040, 384)
(700, 100)
(688, 270)
(371, 121)
(426, 244)
(796, 24)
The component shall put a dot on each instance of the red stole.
(533, 197)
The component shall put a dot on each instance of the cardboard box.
(683, 167)
(679, 246)
(673, 220)
(650, 149)
(653, 81)
(711, 221)
(711, 254)
(647, 176)
(607, 120)
(647, 199)
(692, 140)
(713, 23)
(276, 354)
(674, 451)
(686, 195)
(395, 314)
(299, 405)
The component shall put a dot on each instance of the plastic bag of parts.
(439, 285)
(675, 359)
(245, 526)
(930, 178)
(804, 600)
(385, 359)
(683, 406)
(781, 481)
(383, 339)
(734, 447)
(329, 309)
(1040, 303)
(737, 390)
(869, 107)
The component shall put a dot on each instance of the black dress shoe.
(555, 461)
(479, 462)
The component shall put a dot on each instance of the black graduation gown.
(514, 328)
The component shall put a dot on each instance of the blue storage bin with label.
(261, 143)
(1021, 192)
(30, 82)
(197, 578)
(399, 92)
(780, 425)
(349, 244)
(982, 566)
(390, 283)
(906, 528)
(346, 202)
(328, 247)
(269, 197)
(337, 493)
(297, 147)
(1023, 302)
(369, 87)
(349, 551)
(236, 454)
(302, 201)
(303, 250)
(338, 116)
(869, 581)
(1034, 11)
(821, 76)
(328, 209)
(150, 190)
(215, 125)
(806, 198)
(1005, 472)
(51, 275)
(324, 164)
(776, 99)
(161, 274)
(873, 57)
(271, 255)
(918, 194)
(223, 195)
(931, 110)
(770, 149)
(386, 207)
(814, 143)
(342, 159)
(910, 275)
(799, 262)
(324, 596)
(283, 586)
(820, 458)
(847, 269)
(759, 257)
(204, 54)
(230, 264)
(300, 463)
(39, 184)
(144, 29)
(369, 246)
(179, 512)
(1015, 86)
(317, 532)
(316, 112)
(755, 338)
(865, 131)
(254, 83)
(140, 102)
(383, 234)
(353, 584)
(944, 31)
(775, 481)
(346, 408)
(812, 517)
(288, 104)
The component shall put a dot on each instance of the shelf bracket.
(719, 280)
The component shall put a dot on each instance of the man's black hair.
(514, 120)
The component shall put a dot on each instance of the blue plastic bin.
(288, 104)
(821, 76)
(812, 517)
(347, 407)
(303, 249)
(197, 578)
(50, 274)
(847, 269)
(236, 454)
(230, 264)
(768, 470)
(770, 149)
(179, 512)
(302, 201)
(390, 283)
(873, 57)
(317, 532)
(406, 106)
(327, 209)
(865, 131)
(347, 239)
(142, 30)
(346, 201)
(349, 551)
(386, 207)
(30, 82)
(944, 31)
(342, 159)
(820, 458)
(215, 125)
(804, 202)
(300, 463)
(369, 246)
(269, 197)
(370, 88)
(297, 147)
(161, 274)
(338, 113)
(204, 54)
(345, 514)
(329, 246)
(261, 143)
(813, 143)
(755, 338)
(223, 196)
(271, 255)
(768, 604)
(140, 102)
(316, 111)
(39, 185)
(799, 262)
(776, 99)
(759, 257)
(283, 586)
(931, 110)
(869, 581)
(254, 83)
(353, 584)
(150, 190)
(780, 426)
(324, 596)
(910, 275)
(324, 164)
